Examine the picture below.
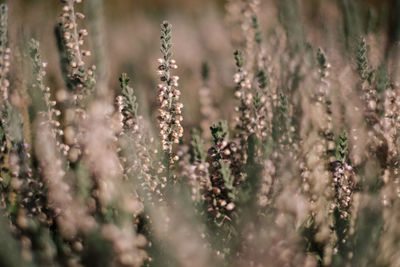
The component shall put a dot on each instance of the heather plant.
(71, 38)
(292, 162)
(170, 107)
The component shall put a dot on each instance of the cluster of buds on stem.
(262, 125)
(322, 99)
(50, 113)
(136, 148)
(390, 126)
(242, 92)
(170, 109)
(224, 159)
(246, 118)
(343, 183)
(366, 77)
(127, 105)
(71, 38)
(28, 188)
(25, 191)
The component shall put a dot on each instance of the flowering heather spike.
(262, 122)
(343, 184)
(363, 68)
(245, 120)
(369, 93)
(258, 119)
(5, 112)
(226, 175)
(50, 113)
(341, 150)
(79, 78)
(4, 104)
(362, 59)
(219, 131)
(343, 177)
(250, 37)
(322, 98)
(137, 148)
(170, 116)
(4, 53)
(26, 198)
(114, 195)
(317, 181)
(127, 104)
(260, 116)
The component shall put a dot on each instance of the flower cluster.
(390, 125)
(368, 96)
(71, 38)
(242, 92)
(20, 190)
(137, 150)
(224, 159)
(127, 105)
(49, 112)
(262, 125)
(170, 110)
(343, 183)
